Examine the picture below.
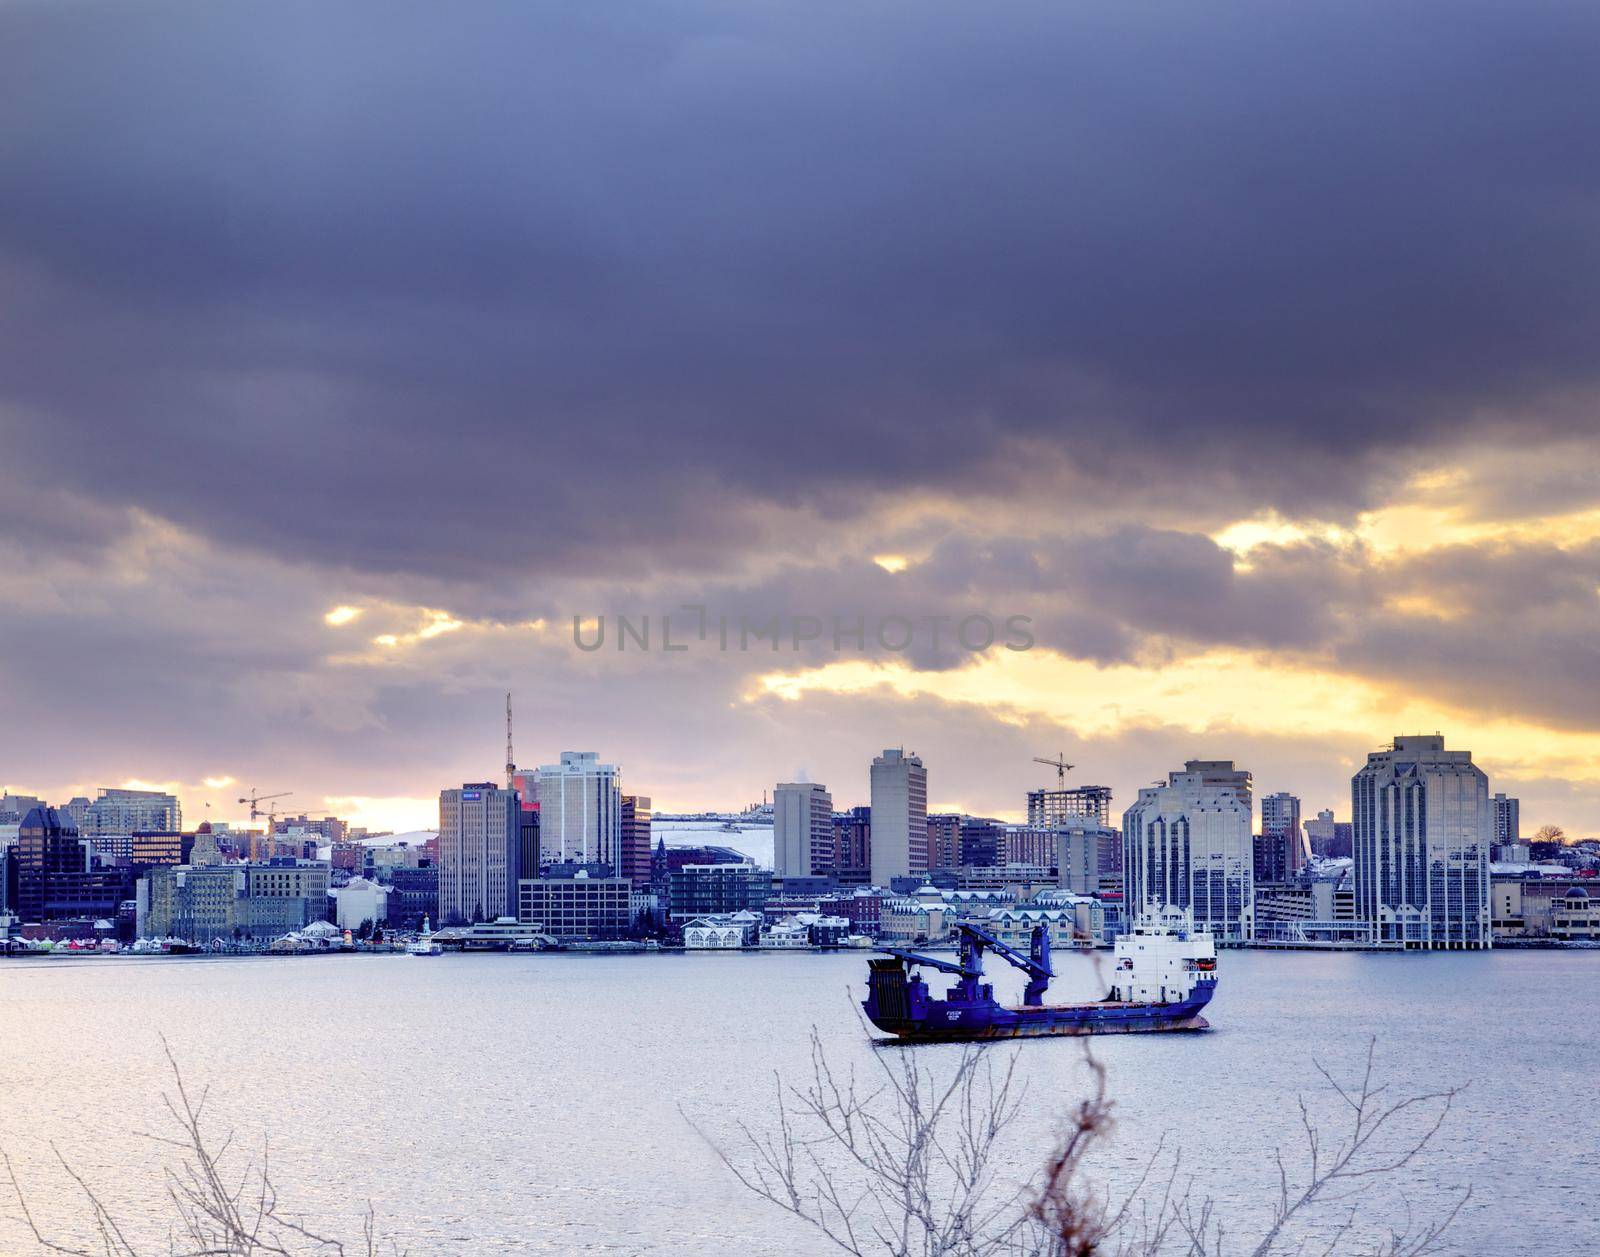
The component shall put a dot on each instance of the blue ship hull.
(906, 1009)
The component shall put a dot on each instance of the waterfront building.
(852, 846)
(478, 852)
(802, 829)
(899, 816)
(282, 894)
(1188, 845)
(1525, 904)
(1280, 849)
(635, 840)
(580, 811)
(124, 811)
(1423, 828)
(1049, 808)
(1575, 917)
(579, 907)
(358, 902)
(944, 840)
(721, 932)
(701, 890)
(1312, 910)
(197, 905)
(924, 917)
(1074, 922)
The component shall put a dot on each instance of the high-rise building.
(982, 842)
(1187, 844)
(123, 811)
(1507, 820)
(802, 829)
(1085, 856)
(479, 849)
(1051, 807)
(15, 807)
(899, 817)
(852, 846)
(1423, 828)
(580, 811)
(1280, 848)
(1221, 773)
(1328, 839)
(944, 840)
(56, 876)
(635, 825)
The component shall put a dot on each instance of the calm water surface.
(542, 1104)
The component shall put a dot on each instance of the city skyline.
(1276, 467)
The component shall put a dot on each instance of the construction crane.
(255, 800)
(1060, 765)
(511, 762)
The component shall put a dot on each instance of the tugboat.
(1165, 973)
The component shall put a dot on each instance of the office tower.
(982, 842)
(852, 846)
(1051, 807)
(1507, 820)
(899, 816)
(1085, 855)
(55, 875)
(580, 811)
(479, 839)
(1280, 850)
(1187, 844)
(802, 829)
(123, 811)
(944, 840)
(635, 829)
(1423, 828)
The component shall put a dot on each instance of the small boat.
(424, 945)
(1165, 973)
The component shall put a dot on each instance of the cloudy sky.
(347, 352)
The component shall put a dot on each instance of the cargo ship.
(1164, 973)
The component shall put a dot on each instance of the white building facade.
(1423, 827)
(899, 817)
(802, 829)
(580, 811)
(1188, 845)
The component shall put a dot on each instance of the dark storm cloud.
(411, 289)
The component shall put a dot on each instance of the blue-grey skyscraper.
(1423, 828)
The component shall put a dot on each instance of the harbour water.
(549, 1104)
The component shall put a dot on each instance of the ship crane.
(969, 969)
(1060, 765)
